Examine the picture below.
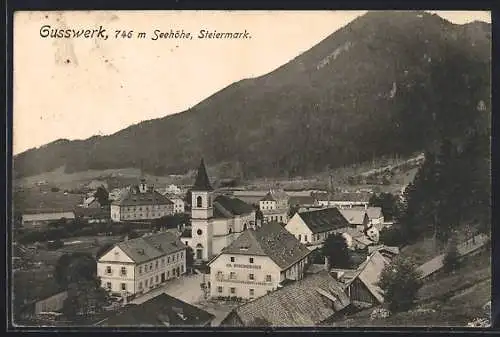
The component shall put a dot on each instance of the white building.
(215, 222)
(139, 265)
(357, 218)
(141, 203)
(258, 262)
(173, 189)
(313, 227)
(179, 205)
(274, 206)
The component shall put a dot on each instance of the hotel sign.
(243, 266)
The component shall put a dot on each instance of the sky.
(76, 88)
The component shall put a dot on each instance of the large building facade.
(139, 265)
(215, 221)
(141, 203)
(258, 262)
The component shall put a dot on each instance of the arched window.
(244, 226)
(199, 201)
(230, 230)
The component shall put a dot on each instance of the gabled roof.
(270, 240)
(162, 310)
(268, 197)
(202, 183)
(142, 199)
(307, 302)
(227, 207)
(323, 220)
(301, 200)
(369, 274)
(151, 247)
(374, 212)
(354, 216)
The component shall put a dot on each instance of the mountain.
(388, 83)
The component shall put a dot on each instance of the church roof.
(202, 183)
(226, 207)
(142, 199)
(270, 240)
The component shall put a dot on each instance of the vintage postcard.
(251, 169)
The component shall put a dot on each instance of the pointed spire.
(202, 183)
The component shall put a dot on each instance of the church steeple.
(202, 183)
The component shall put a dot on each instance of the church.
(216, 220)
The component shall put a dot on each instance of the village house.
(40, 218)
(258, 262)
(215, 221)
(179, 204)
(274, 206)
(93, 215)
(141, 203)
(312, 301)
(139, 265)
(160, 311)
(357, 218)
(173, 189)
(375, 216)
(313, 227)
(361, 285)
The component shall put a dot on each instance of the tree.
(400, 281)
(189, 258)
(337, 251)
(293, 209)
(452, 260)
(388, 203)
(75, 268)
(102, 196)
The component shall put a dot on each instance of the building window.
(182, 269)
(168, 273)
(268, 278)
(156, 264)
(108, 270)
(232, 275)
(233, 290)
(182, 254)
(140, 270)
(151, 281)
(251, 277)
(232, 258)
(219, 274)
(252, 292)
(168, 259)
(156, 278)
(199, 202)
(140, 285)
(219, 290)
(300, 237)
(199, 232)
(151, 266)
(251, 260)
(124, 286)
(163, 261)
(305, 238)
(123, 271)
(108, 285)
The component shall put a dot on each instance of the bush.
(391, 237)
(400, 281)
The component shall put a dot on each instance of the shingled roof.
(369, 274)
(354, 216)
(202, 183)
(139, 199)
(323, 220)
(162, 310)
(151, 247)
(307, 302)
(270, 240)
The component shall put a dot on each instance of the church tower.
(201, 214)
